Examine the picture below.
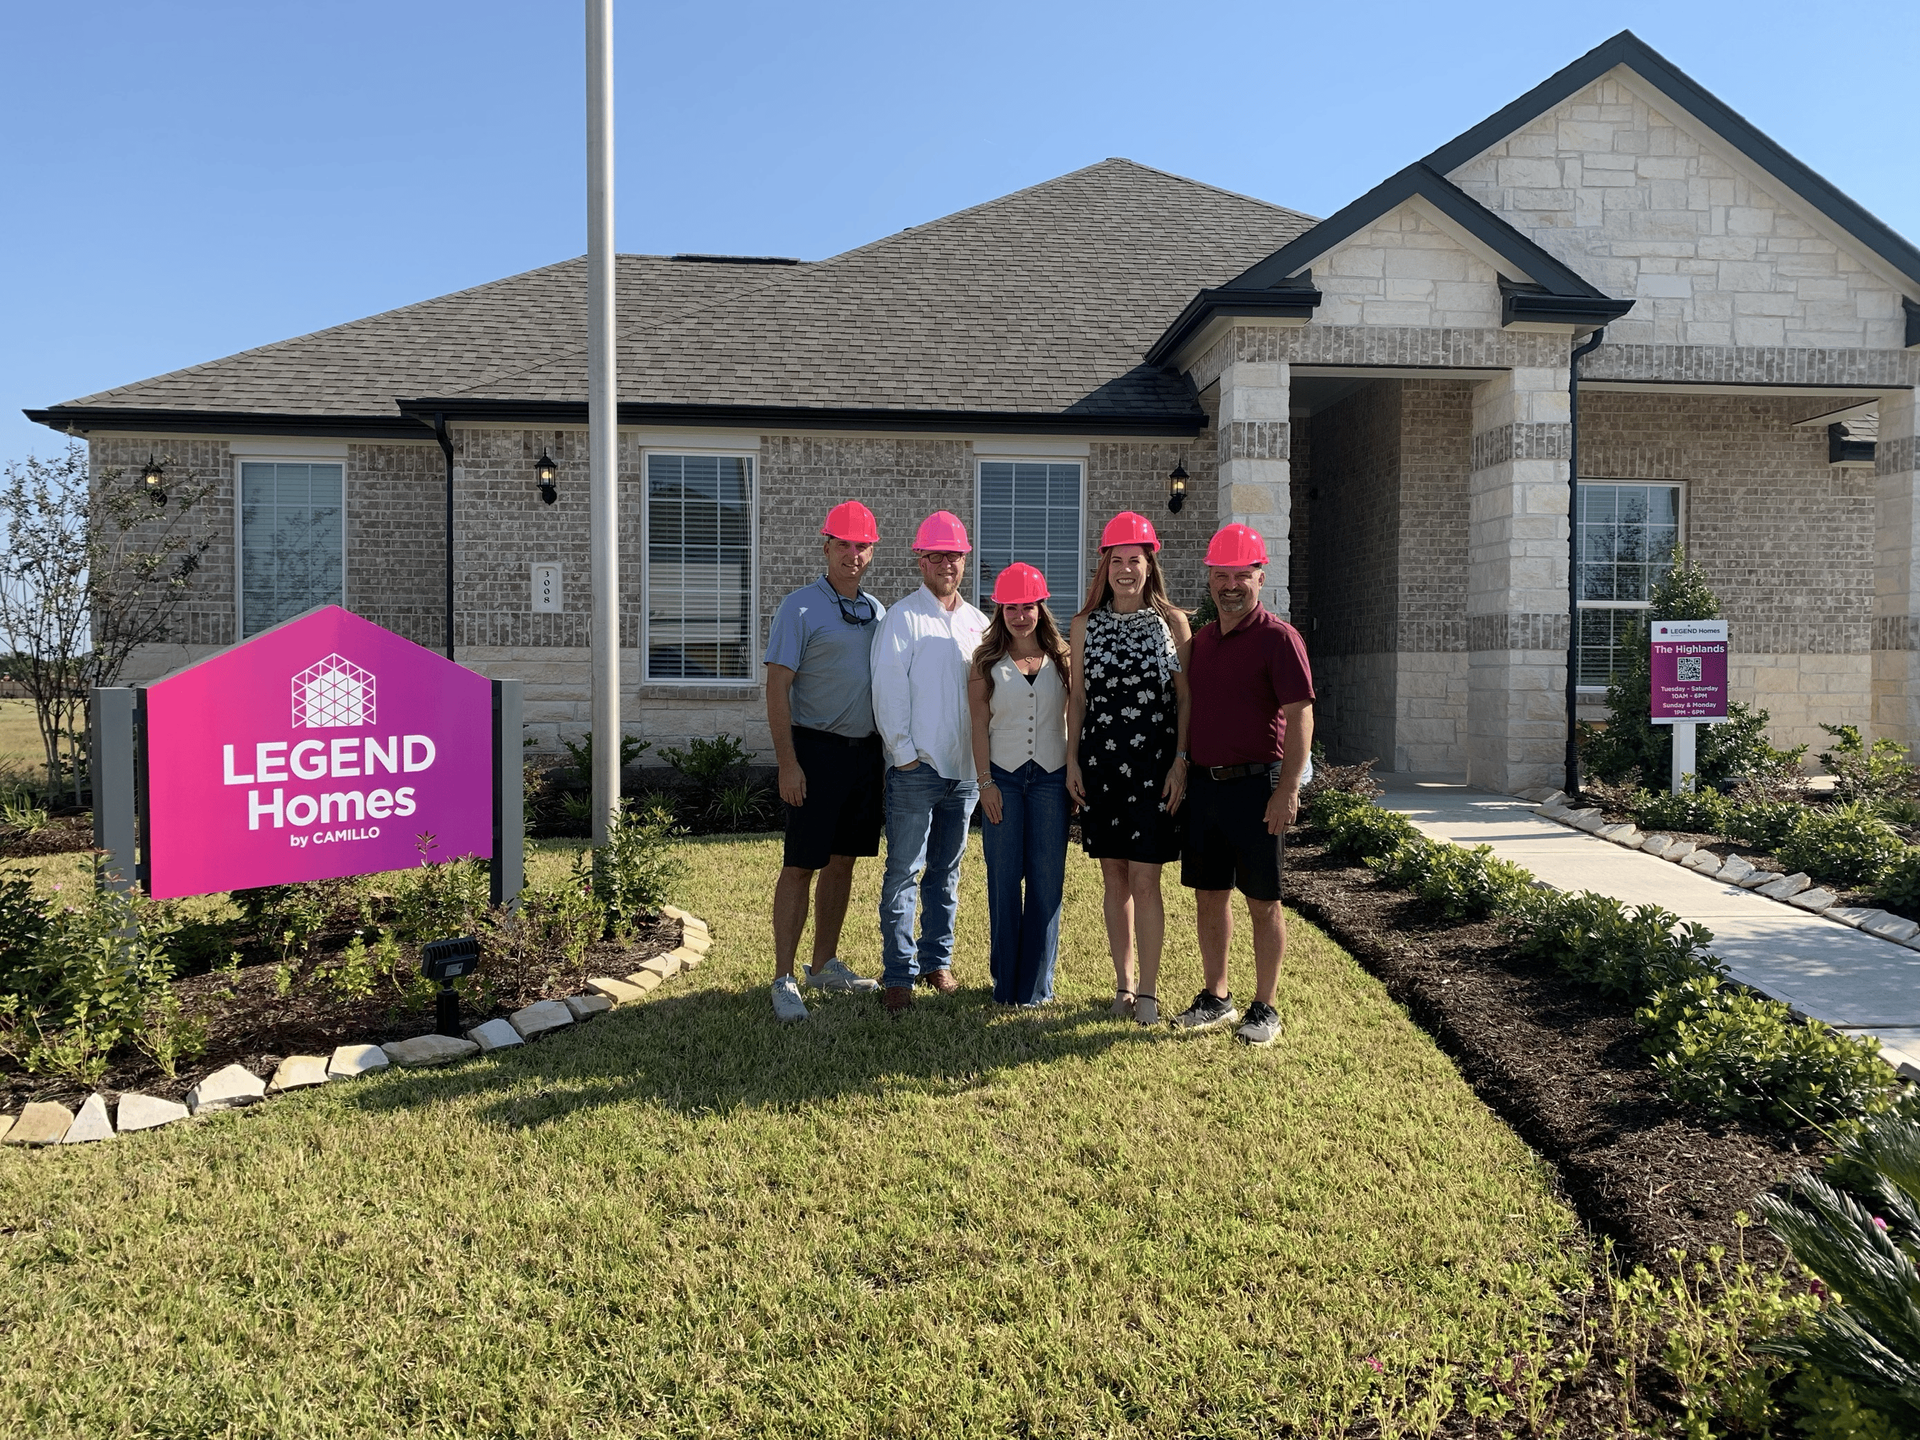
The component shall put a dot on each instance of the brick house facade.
(1384, 394)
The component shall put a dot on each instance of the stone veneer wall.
(1626, 194)
(1786, 541)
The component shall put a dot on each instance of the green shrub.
(84, 987)
(1868, 1334)
(1356, 780)
(1737, 1054)
(1462, 884)
(442, 899)
(1358, 830)
(1876, 774)
(1831, 1409)
(1693, 812)
(1898, 887)
(1764, 824)
(1626, 952)
(635, 872)
(1847, 844)
(580, 754)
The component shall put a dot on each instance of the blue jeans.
(926, 835)
(1026, 873)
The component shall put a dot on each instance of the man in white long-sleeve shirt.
(920, 662)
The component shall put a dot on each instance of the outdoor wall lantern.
(545, 472)
(1177, 486)
(154, 477)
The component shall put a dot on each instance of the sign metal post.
(110, 761)
(1688, 665)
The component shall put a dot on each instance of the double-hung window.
(292, 540)
(1030, 510)
(699, 580)
(1627, 535)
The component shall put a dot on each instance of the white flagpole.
(603, 536)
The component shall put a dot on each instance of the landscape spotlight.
(1177, 486)
(446, 961)
(545, 472)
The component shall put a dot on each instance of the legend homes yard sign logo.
(320, 748)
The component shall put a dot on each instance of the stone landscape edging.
(46, 1122)
(1797, 889)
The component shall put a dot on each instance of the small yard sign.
(1689, 665)
(320, 748)
(1689, 671)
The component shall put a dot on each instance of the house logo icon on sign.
(332, 694)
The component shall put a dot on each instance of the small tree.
(93, 571)
(1631, 741)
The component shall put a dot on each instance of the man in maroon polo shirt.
(1248, 741)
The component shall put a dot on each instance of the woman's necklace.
(1028, 664)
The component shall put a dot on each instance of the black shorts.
(1227, 845)
(843, 812)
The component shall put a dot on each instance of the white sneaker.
(787, 1004)
(837, 977)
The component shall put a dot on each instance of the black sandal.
(1146, 1009)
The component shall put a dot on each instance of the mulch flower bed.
(251, 1024)
(61, 835)
(1562, 1065)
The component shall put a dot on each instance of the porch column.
(1253, 446)
(1896, 578)
(1517, 580)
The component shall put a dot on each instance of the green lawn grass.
(684, 1219)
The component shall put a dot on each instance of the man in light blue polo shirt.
(820, 710)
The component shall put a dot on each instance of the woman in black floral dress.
(1126, 743)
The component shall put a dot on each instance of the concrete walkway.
(1851, 980)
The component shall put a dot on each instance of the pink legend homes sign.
(1689, 671)
(320, 748)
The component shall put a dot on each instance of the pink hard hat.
(1127, 528)
(1019, 585)
(1237, 546)
(850, 520)
(942, 530)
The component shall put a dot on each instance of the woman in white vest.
(1018, 694)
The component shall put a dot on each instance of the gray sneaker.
(787, 1004)
(1263, 1024)
(1208, 1012)
(839, 978)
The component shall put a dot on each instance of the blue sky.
(187, 180)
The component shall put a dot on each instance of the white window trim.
(983, 582)
(281, 457)
(1680, 485)
(735, 452)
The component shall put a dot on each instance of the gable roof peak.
(1627, 50)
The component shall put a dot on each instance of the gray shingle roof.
(1040, 301)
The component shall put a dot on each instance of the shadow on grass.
(714, 1051)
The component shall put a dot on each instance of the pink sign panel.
(1689, 670)
(322, 747)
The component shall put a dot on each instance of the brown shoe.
(942, 980)
(899, 998)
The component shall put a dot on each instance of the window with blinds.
(699, 581)
(292, 540)
(1627, 539)
(1030, 510)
